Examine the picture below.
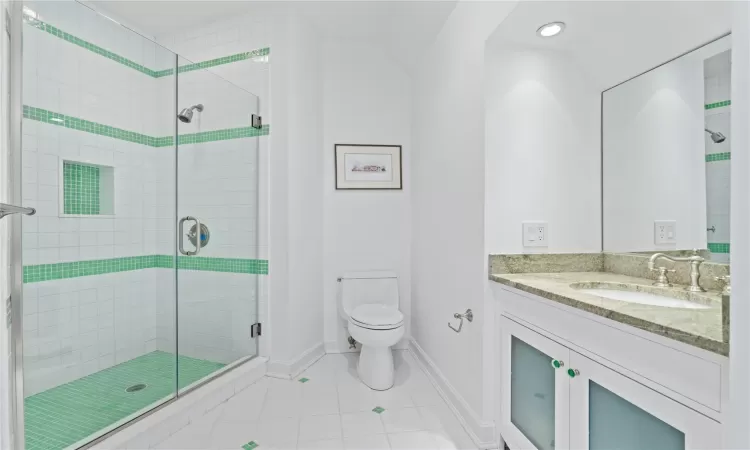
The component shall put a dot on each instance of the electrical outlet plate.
(535, 234)
(665, 232)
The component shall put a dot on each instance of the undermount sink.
(636, 294)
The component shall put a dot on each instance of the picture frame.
(368, 167)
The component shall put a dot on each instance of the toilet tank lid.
(365, 275)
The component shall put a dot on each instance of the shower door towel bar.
(6, 210)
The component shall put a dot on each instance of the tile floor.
(331, 410)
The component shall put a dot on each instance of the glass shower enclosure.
(140, 266)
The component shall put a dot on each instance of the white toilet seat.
(377, 317)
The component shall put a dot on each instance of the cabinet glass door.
(535, 404)
(611, 411)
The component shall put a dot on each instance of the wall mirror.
(666, 155)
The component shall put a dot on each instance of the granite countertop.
(703, 328)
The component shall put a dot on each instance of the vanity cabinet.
(556, 398)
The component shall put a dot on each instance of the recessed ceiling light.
(551, 29)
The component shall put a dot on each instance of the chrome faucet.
(695, 261)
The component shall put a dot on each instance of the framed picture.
(362, 166)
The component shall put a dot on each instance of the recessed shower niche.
(86, 189)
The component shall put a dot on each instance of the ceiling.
(614, 41)
(403, 28)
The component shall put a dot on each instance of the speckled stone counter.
(703, 328)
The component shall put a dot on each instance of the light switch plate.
(665, 232)
(535, 234)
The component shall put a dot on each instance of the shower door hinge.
(257, 121)
(255, 330)
(9, 312)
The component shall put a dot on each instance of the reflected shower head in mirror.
(186, 115)
(716, 137)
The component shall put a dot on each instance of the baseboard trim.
(482, 432)
(288, 370)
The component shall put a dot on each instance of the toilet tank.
(359, 288)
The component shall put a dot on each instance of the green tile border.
(724, 156)
(47, 272)
(62, 120)
(54, 31)
(717, 104)
(718, 247)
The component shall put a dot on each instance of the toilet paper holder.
(468, 315)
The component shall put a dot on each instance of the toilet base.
(375, 367)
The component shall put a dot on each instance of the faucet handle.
(725, 280)
(661, 279)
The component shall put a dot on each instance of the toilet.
(368, 302)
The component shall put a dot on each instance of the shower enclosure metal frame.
(14, 24)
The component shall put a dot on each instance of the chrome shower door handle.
(181, 232)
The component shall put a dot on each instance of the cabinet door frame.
(701, 432)
(515, 439)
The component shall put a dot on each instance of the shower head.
(186, 115)
(716, 136)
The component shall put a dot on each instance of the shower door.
(217, 215)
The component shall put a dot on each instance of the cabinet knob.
(556, 363)
(573, 372)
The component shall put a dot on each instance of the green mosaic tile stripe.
(66, 414)
(224, 60)
(47, 272)
(53, 118)
(718, 104)
(62, 120)
(80, 189)
(716, 247)
(718, 156)
(222, 135)
(233, 265)
(54, 31)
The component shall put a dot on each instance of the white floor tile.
(394, 398)
(400, 420)
(277, 432)
(425, 395)
(355, 398)
(314, 428)
(328, 444)
(320, 400)
(439, 417)
(188, 438)
(247, 405)
(232, 435)
(374, 442)
(361, 424)
(415, 440)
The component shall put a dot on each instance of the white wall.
(449, 272)
(366, 100)
(543, 151)
(654, 158)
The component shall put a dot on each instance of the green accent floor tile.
(304, 380)
(66, 414)
(378, 410)
(250, 445)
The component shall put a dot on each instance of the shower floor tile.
(61, 416)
